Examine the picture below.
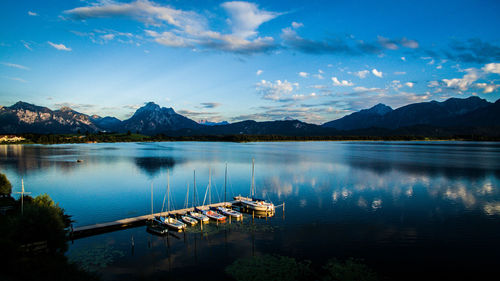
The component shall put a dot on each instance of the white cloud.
(377, 73)
(32, 13)
(188, 29)
(491, 68)
(59, 47)
(277, 91)
(297, 24)
(26, 45)
(319, 76)
(259, 72)
(487, 88)
(409, 84)
(168, 38)
(403, 58)
(433, 84)
(303, 74)
(364, 89)
(246, 17)
(400, 73)
(343, 83)
(387, 43)
(408, 43)
(465, 82)
(362, 73)
(108, 37)
(15, 65)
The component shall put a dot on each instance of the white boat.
(256, 204)
(226, 211)
(200, 217)
(229, 212)
(196, 214)
(188, 220)
(210, 213)
(169, 220)
(261, 206)
(213, 215)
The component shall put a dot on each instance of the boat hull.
(258, 206)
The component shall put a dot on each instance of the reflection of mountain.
(27, 158)
(153, 165)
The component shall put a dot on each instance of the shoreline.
(121, 138)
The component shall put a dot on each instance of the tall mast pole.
(151, 198)
(253, 191)
(194, 188)
(225, 183)
(168, 190)
(209, 186)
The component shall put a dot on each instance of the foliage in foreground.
(5, 186)
(274, 267)
(33, 243)
(269, 267)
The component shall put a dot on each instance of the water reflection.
(153, 165)
(369, 200)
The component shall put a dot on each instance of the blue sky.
(309, 60)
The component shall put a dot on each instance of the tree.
(43, 220)
(5, 186)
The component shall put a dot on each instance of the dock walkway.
(88, 230)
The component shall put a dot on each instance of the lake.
(410, 210)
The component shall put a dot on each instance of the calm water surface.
(409, 209)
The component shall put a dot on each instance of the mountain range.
(471, 115)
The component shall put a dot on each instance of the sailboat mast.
(253, 188)
(151, 198)
(194, 188)
(225, 183)
(209, 186)
(168, 190)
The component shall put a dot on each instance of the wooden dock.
(88, 230)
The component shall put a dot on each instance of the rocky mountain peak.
(379, 109)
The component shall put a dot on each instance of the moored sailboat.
(169, 220)
(226, 211)
(255, 203)
(194, 214)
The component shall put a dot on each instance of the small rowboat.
(199, 217)
(171, 222)
(188, 220)
(229, 212)
(214, 215)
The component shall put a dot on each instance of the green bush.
(5, 186)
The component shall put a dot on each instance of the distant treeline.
(130, 137)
